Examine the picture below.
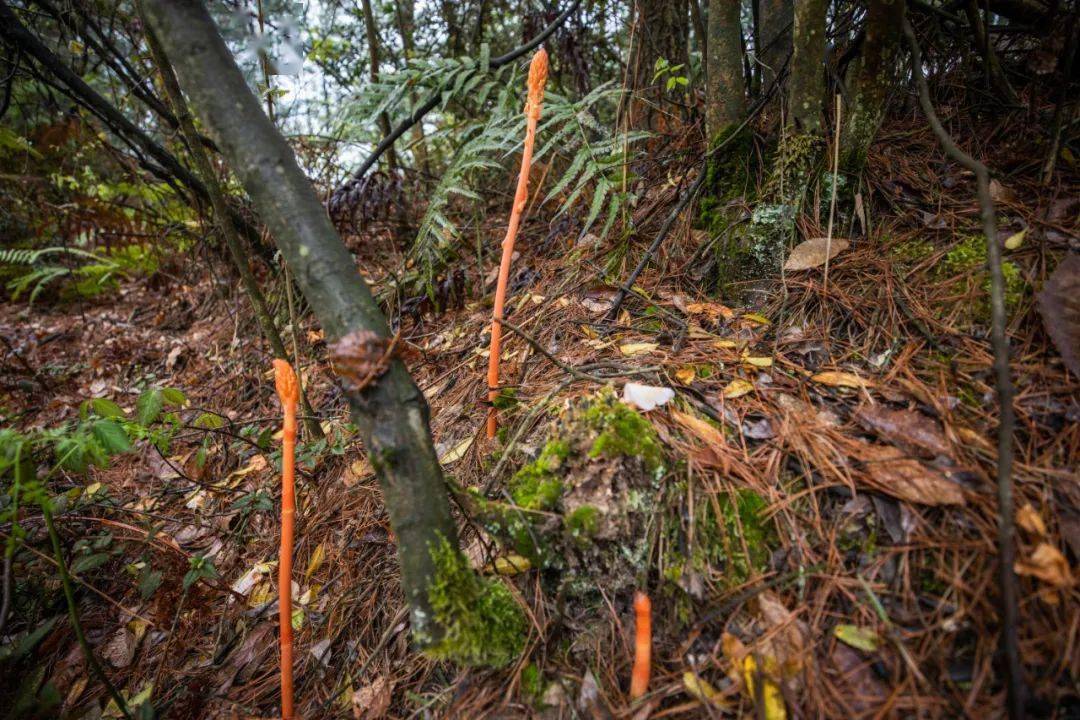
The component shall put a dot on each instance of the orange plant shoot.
(538, 71)
(289, 393)
(639, 676)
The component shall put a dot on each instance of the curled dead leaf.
(814, 252)
(1048, 564)
(737, 388)
(834, 378)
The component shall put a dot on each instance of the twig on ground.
(1000, 343)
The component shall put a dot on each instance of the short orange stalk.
(538, 71)
(289, 393)
(639, 676)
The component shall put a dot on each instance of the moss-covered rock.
(481, 622)
(582, 505)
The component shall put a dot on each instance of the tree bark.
(221, 213)
(663, 31)
(806, 84)
(772, 37)
(390, 411)
(725, 91)
(870, 77)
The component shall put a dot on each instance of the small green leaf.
(860, 638)
(148, 406)
(112, 437)
(89, 562)
(149, 582)
(210, 421)
(174, 396)
(106, 408)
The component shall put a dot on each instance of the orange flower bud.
(538, 72)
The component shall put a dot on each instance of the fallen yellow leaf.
(703, 691)
(685, 375)
(757, 318)
(316, 561)
(457, 452)
(772, 701)
(737, 388)
(761, 362)
(722, 344)
(700, 427)
(508, 565)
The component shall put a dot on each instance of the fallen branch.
(1000, 342)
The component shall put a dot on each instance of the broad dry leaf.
(724, 344)
(841, 379)
(757, 318)
(814, 252)
(1048, 564)
(908, 429)
(789, 639)
(637, 348)
(891, 471)
(1059, 305)
(737, 388)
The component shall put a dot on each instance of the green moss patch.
(482, 624)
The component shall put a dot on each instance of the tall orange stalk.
(538, 71)
(639, 676)
(288, 392)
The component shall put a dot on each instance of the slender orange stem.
(289, 393)
(639, 677)
(538, 71)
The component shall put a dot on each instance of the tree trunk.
(663, 31)
(725, 91)
(870, 77)
(454, 613)
(373, 55)
(772, 37)
(995, 75)
(806, 84)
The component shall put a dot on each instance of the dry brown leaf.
(685, 375)
(814, 252)
(737, 388)
(890, 471)
(713, 311)
(1059, 305)
(637, 348)
(1029, 519)
(908, 429)
(835, 378)
(1048, 564)
(371, 702)
(699, 427)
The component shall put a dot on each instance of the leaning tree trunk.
(869, 80)
(373, 54)
(454, 613)
(662, 31)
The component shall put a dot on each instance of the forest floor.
(826, 504)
